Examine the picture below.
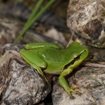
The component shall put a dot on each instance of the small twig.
(94, 65)
(98, 81)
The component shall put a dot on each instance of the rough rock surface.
(90, 81)
(21, 84)
(86, 19)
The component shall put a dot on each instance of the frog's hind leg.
(40, 71)
(41, 45)
(35, 61)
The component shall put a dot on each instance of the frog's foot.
(72, 90)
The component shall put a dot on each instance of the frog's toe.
(75, 92)
(71, 96)
(78, 93)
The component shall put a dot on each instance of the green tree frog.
(55, 60)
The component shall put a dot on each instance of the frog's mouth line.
(73, 61)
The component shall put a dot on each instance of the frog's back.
(57, 59)
(51, 54)
(54, 58)
(61, 55)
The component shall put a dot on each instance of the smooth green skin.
(54, 59)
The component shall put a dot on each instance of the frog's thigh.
(32, 58)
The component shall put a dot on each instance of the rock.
(90, 81)
(21, 84)
(86, 19)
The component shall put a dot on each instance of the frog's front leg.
(67, 71)
(64, 84)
